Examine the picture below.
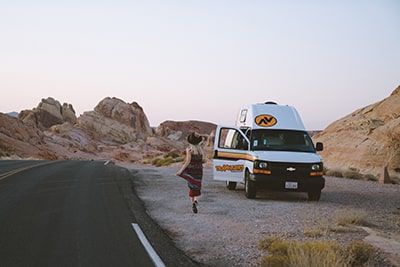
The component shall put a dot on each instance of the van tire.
(250, 186)
(230, 185)
(314, 195)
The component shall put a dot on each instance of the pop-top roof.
(270, 116)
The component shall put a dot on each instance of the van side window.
(232, 139)
(243, 115)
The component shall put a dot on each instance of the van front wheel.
(250, 186)
(314, 195)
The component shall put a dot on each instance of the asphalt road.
(76, 213)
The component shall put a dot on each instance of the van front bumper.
(291, 184)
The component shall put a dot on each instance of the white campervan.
(268, 148)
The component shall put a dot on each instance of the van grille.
(288, 169)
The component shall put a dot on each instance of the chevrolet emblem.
(290, 169)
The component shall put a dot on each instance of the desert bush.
(167, 159)
(275, 261)
(350, 216)
(160, 162)
(370, 177)
(314, 253)
(267, 242)
(353, 173)
(146, 161)
(171, 155)
(360, 253)
(334, 173)
(278, 249)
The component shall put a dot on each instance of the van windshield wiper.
(295, 149)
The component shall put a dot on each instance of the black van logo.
(265, 120)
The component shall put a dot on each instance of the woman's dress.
(193, 173)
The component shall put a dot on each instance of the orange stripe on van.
(232, 155)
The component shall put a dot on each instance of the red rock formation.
(366, 140)
(115, 120)
(16, 138)
(179, 130)
(49, 112)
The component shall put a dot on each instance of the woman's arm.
(186, 163)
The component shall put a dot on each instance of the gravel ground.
(228, 227)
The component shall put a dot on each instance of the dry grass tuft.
(166, 160)
(314, 254)
(351, 217)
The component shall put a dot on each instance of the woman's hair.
(195, 149)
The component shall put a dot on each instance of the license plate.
(291, 185)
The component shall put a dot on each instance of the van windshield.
(281, 140)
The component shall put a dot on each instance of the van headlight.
(261, 165)
(316, 167)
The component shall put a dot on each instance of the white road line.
(152, 253)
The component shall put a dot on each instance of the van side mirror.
(320, 146)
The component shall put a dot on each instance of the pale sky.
(201, 60)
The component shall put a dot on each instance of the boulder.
(49, 112)
(115, 120)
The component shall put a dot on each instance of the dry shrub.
(167, 159)
(275, 261)
(334, 173)
(350, 216)
(160, 162)
(353, 173)
(310, 254)
(266, 243)
(315, 254)
(360, 253)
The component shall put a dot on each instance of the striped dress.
(193, 174)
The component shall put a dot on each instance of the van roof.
(269, 115)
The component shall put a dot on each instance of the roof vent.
(270, 103)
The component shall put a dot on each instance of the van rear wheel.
(231, 185)
(250, 186)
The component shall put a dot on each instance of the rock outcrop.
(115, 120)
(366, 141)
(16, 138)
(49, 112)
(179, 130)
(114, 130)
